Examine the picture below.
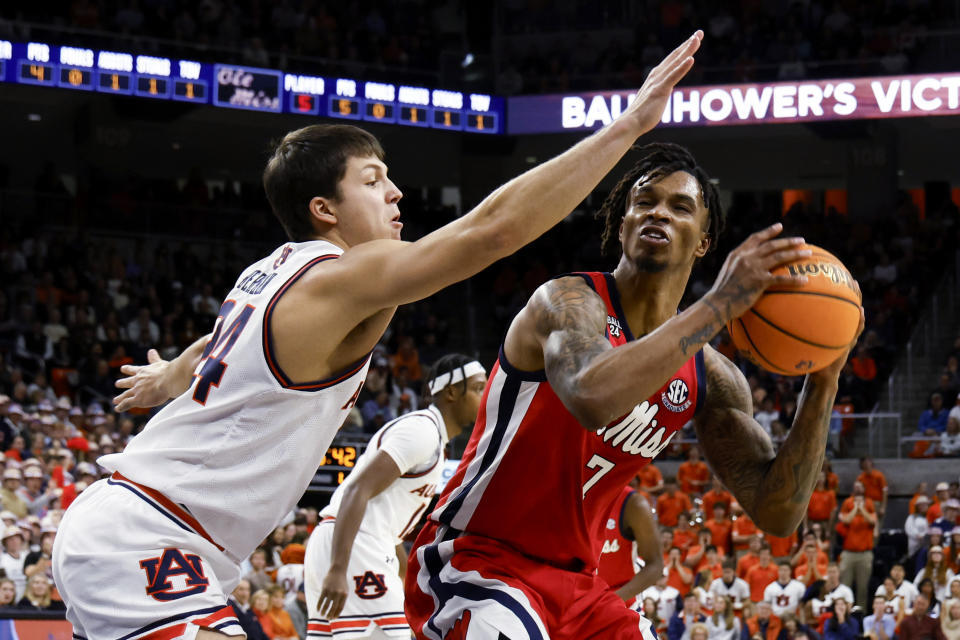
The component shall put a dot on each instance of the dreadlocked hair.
(657, 160)
(447, 364)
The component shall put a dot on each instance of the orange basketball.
(793, 330)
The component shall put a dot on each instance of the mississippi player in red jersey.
(630, 522)
(595, 376)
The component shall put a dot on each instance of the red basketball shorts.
(467, 587)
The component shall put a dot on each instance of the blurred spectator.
(857, 522)
(916, 526)
(764, 624)
(407, 357)
(260, 605)
(749, 559)
(842, 626)
(671, 503)
(678, 576)
(13, 558)
(761, 574)
(933, 420)
(298, 612)
(290, 575)
(785, 592)
(665, 597)
(8, 594)
(830, 590)
(810, 562)
(281, 624)
(950, 509)
(950, 619)
(683, 619)
(864, 366)
(721, 527)
(37, 596)
(950, 439)
(941, 495)
(920, 625)
(874, 485)
(651, 480)
(822, 507)
(694, 474)
(937, 571)
(377, 412)
(717, 493)
(723, 624)
(9, 494)
(879, 625)
(239, 600)
(744, 529)
(767, 414)
(258, 578)
(728, 585)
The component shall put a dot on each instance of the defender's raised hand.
(647, 108)
(746, 272)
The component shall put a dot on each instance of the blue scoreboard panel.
(235, 86)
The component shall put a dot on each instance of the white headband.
(459, 374)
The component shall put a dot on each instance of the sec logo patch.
(676, 397)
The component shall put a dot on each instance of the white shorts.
(374, 607)
(130, 564)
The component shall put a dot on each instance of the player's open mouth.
(654, 235)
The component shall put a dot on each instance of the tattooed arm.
(773, 487)
(562, 328)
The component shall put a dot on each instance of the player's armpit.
(773, 487)
(569, 321)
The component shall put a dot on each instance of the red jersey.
(536, 479)
(616, 556)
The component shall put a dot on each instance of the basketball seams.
(795, 337)
(757, 351)
(811, 293)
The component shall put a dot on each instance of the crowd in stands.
(726, 580)
(940, 423)
(522, 46)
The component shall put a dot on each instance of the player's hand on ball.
(647, 108)
(746, 273)
(832, 370)
(145, 385)
(333, 595)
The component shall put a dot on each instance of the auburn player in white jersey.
(596, 375)
(258, 402)
(353, 586)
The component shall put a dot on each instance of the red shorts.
(467, 587)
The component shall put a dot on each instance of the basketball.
(796, 329)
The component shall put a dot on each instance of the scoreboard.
(235, 86)
(337, 464)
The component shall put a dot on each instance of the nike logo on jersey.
(638, 433)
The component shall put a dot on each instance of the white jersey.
(841, 591)
(906, 593)
(239, 447)
(784, 598)
(738, 591)
(415, 441)
(666, 600)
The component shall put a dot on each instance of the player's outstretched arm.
(774, 488)
(565, 320)
(369, 482)
(642, 525)
(385, 273)
(154, 383)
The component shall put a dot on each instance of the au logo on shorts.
(370, 585)
(169, 565)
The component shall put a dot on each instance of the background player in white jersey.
(258, 403)
(785, 592)
(352, 582)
